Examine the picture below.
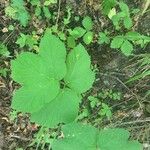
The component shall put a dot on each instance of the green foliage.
(48, 2)
(79, 75)
(26, 40)
(125, 43)
(75, 138)
(62, 109)
(107, 5)
(81, 32)
(3, 50)
(45, 2)
(100, 101)
(87, 23)
(103, 38)
(88, 37)
(67, 19)
(109, 94)
(13, 115)
(41, 8)
(123, 15)
(105, 111)
(40, 75)
(60, 34)
(46, 12)
(3, 72)
(77, 32)
(94, 102)
(17, 11)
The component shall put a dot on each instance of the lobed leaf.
(32, 98)
(79, 75)
(76, 137)
(62, 109)
(53, 52)
(39, 76)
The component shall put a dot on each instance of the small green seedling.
(17, 11)
(79, 32)
(42, 9)
(125, 43)
(123, 15)
(27, 40)
(103, 38)
(4, 51)
(105, 110)
(109, 94)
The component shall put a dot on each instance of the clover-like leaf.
(103, 38)
(62, 109)
(88, 37)
(87, 23)
(85, 137)
(127, 22)
(77, 32)
(127, 48)
(117, 42)
(79, 75)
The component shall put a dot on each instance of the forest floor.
(113, 70)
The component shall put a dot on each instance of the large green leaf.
(38, 87)
(62, 109)
(38, 74)
(84, 137)
(116, 139)
(28, 68)
(53, 52)
(79, 75)
(32, 98)
(76, 137)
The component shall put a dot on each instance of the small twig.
(131, 122)
(19, 137)
(145, 6)
(58, 13)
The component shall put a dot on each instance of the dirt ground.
(114, 70)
